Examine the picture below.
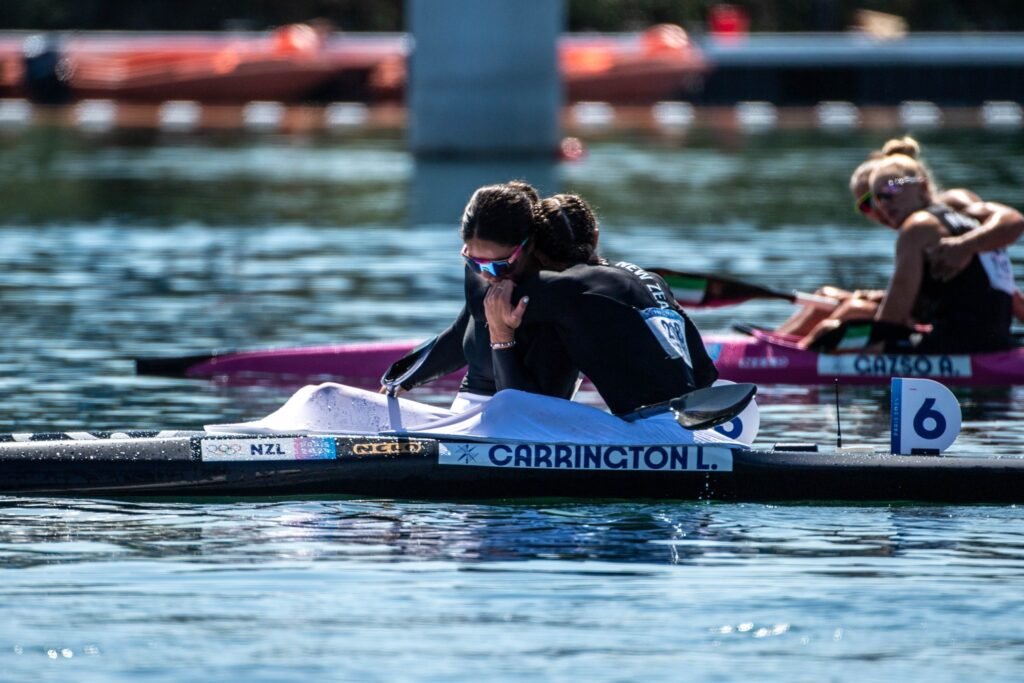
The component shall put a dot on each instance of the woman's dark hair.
(566, 230)
(502, 213)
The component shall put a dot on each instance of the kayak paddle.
(404, 367)
(702, 408)
(173, 366)
(698, 289)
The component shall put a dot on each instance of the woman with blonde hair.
(1000, 226)
(969, 312)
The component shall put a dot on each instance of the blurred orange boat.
(300, 62)
(658, 64)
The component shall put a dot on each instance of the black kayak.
(188, 464)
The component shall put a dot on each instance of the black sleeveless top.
(967, 313)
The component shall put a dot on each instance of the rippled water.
(116, 247)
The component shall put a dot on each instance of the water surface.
(119, 246)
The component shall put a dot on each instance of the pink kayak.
(767, 358)
(761, 358)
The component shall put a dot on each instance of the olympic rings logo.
(224, 448)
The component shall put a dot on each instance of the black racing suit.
(967, 313)
(620, 325)
(466, 342)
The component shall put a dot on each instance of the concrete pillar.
(441, 187)
(483, 77)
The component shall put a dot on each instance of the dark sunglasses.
(495, 268)
(863, 205)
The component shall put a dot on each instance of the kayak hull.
(764, 359)
(761, 359)
(183, 465)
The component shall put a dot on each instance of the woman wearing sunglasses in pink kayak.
(1000, 226)
(968, 312)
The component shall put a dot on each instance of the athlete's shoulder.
(566, 278)
(920, 229)
(926, 219)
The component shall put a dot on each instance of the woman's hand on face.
(502, 317)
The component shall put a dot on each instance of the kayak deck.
(185, 464)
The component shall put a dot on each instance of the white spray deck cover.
(510, 415)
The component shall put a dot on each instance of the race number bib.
(669, 328)
(999, 270)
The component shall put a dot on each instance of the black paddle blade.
(403, 368)
(710, 407)
(174, 366)
(701, 290)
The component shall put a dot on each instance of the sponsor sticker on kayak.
(581, 457)
(291, 448)
(893, 365)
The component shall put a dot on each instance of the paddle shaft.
(702, 290)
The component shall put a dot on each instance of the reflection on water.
(154, 245)
(840, 540)
(376, 590)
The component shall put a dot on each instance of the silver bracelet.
(503, 345)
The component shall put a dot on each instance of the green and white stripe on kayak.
(856, 337)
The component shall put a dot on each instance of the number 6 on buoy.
(925, 417)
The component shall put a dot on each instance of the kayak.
(760, 357)
(763, 357)
(188, 464)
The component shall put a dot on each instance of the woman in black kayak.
(497, 230)
(617, 323)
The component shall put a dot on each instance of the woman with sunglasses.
(497, 228)
(617, 323)
(970, 312)
(1000, 226)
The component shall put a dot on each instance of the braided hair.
(567, 230)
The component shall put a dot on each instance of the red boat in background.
(302, 62)
(292, 64)
(660, 63)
